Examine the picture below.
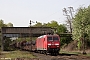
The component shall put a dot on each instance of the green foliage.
(65, 40)
(2, 23)
(61, 29)
(52, 24)
(9, 25)
(7, 43)
(38, 24)
(81, 24)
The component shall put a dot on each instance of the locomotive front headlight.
(49, 44)
(56, 44)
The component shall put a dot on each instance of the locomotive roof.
(46, 35)
(41, 36)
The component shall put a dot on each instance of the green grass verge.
(70, 52)
(77, 53)
(87, 55)
(17, 54)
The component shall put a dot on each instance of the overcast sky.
(20, 12)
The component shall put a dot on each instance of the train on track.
(43, 44)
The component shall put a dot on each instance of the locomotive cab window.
(55, 38)
(49, 38)
(52, 38)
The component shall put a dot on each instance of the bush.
(7, 43)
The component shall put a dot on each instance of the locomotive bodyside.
(41, 43)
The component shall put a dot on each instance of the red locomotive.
(48, 44)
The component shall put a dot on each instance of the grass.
(75, 53)
(70, 52)
(88, 55)
(17, 54)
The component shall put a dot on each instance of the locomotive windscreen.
(49, 38)
(55, 38)
(52, 38)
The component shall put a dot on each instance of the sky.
(20, 12)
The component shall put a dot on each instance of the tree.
(52, 24)
(81, 25)
(44, 24)
(61, 29)
(9, 25)
(38, 24)
(2, 24)
(7, 42)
